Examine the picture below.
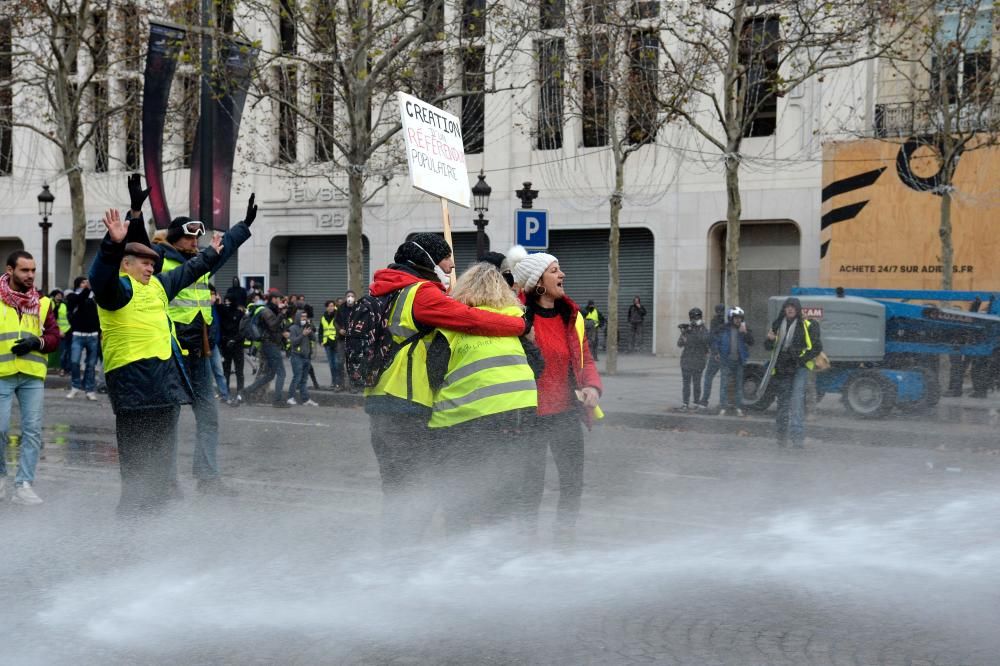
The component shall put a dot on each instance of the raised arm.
(187, 273)
(109, 291)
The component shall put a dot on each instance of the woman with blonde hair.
(484, 397)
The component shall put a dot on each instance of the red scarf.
(23, 302)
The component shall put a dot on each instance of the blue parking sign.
(532, 228)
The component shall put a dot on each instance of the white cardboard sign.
(434, 150)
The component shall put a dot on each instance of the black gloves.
(137, 195)
(28, 343)
(251, 211)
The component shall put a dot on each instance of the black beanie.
(176, 228)
(495, 258)
(415, 250)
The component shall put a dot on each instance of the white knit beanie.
(527, 268)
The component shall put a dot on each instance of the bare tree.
(750, 54)
(940, 96)
(63, 55)
(331, 73)
(603, 68)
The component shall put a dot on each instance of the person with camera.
(731, 347)
(301, 337)
(794, 342)
(695, 342)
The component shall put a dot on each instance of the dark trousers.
(206, 416)
(271, 367)
(636, 342)
(147, 448)
(691, 379)
(593, 334)
(564, 435)
(405, 452)
(232, 359)
(710, 371)
(485, 468)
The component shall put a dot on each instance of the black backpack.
(369, 348)
(250, 325)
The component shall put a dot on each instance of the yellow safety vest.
(62, 320)
(406, 376)
(191, 300)
(329, 330)
(579, 326)
(486, 375)
(809, 345)
(139, 330)
(594, 316)
(13, 328)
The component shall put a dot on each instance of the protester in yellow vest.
(794, 342)
(484, 400)
(143, 362)
(191, 312)
(28, 331)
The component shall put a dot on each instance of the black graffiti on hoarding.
(849, 211)
(904, 165)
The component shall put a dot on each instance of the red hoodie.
(433, 307)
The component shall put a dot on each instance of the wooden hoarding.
(880, 223)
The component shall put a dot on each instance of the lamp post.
(45, 199)
(481, 201)
(526, 195)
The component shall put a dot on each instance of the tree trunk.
(78, 242)
(947, 249)
(611, 362)
(734, 209)
(355, 245)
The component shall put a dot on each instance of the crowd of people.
(478, 381)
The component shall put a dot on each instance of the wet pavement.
(695, 547)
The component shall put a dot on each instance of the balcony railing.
(904, 119)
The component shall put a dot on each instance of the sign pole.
(446, 221)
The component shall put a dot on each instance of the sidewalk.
(646, 393)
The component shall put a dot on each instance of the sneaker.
(311, 403)
(23, 494)
(739, 412)
(73, 392)
(722, 412)
(698, 406)
(684, 408)
(291, 401)
(91, 395)
(216, 487)
(280, 405)
(3, 488)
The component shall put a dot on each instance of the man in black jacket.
(794, 342)
(86, 327)
(273, 335)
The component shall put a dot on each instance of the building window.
(287, 134)
(101, 138)
(6, 100)
(594, 101)
(552, 14)
(474, 102)
(131, 37)
(99, 41)
(473, 18)
(758, 54)
(286, 26)
(644, 59)
(431, 85)
(977, 85)
(646, 9)
(224, 10)
(325, 96)
(433, 16)
(551, 54)
(133, 123)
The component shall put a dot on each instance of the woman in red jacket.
(568, 388)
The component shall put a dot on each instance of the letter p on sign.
(532, 228)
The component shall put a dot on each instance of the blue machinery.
(885, 344)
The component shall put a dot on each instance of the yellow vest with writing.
(139, 330)
(191, 300)
(486, 375)
(12, 328)
(406, 376)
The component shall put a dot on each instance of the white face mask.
(349, 300)
(698, 322)
(444, 277)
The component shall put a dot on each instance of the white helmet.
(735, 311)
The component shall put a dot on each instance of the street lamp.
(45, 199)
(526, 195)
(481, 202)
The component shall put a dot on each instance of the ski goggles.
(193, 228)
